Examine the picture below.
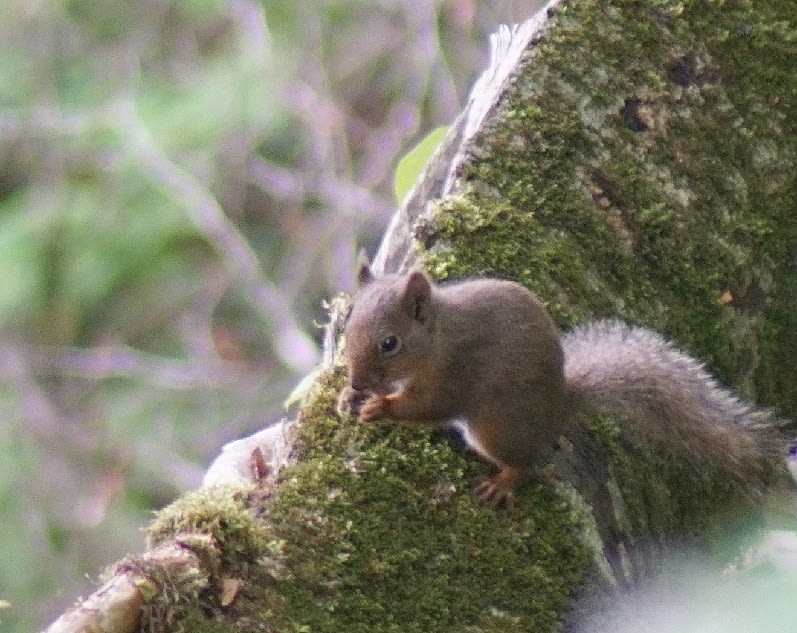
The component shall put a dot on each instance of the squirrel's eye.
(389, 344)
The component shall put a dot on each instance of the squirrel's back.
(636, 375)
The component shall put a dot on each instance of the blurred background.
(182, 183)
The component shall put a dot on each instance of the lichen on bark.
(641, 165)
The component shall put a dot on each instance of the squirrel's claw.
(493, 494)
(499, 490)
(350, 401)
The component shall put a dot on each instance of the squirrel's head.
(389, 328)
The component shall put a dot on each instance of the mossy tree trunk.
(633, 159)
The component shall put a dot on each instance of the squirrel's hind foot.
(499, 490)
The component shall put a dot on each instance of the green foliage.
(413, 162)
(74, 263)
(98, 253)
(302, 389)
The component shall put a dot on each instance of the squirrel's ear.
(417, 294)
(364, 274)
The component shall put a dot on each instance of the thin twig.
(114, 362)
(293, 345)
(349, 198)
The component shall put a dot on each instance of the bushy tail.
(637, 376)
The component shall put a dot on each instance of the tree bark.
(624, 158)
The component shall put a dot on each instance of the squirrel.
(485, 355)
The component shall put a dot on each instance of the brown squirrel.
(485, 355)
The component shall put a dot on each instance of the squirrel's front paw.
(350, 401)
(373, 408)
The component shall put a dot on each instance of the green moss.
(169, 592)
(644, 169)
(221, 513)
(197, 621)
(219, 526)
(377, 530)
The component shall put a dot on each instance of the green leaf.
(303, 388)
(410, 167)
